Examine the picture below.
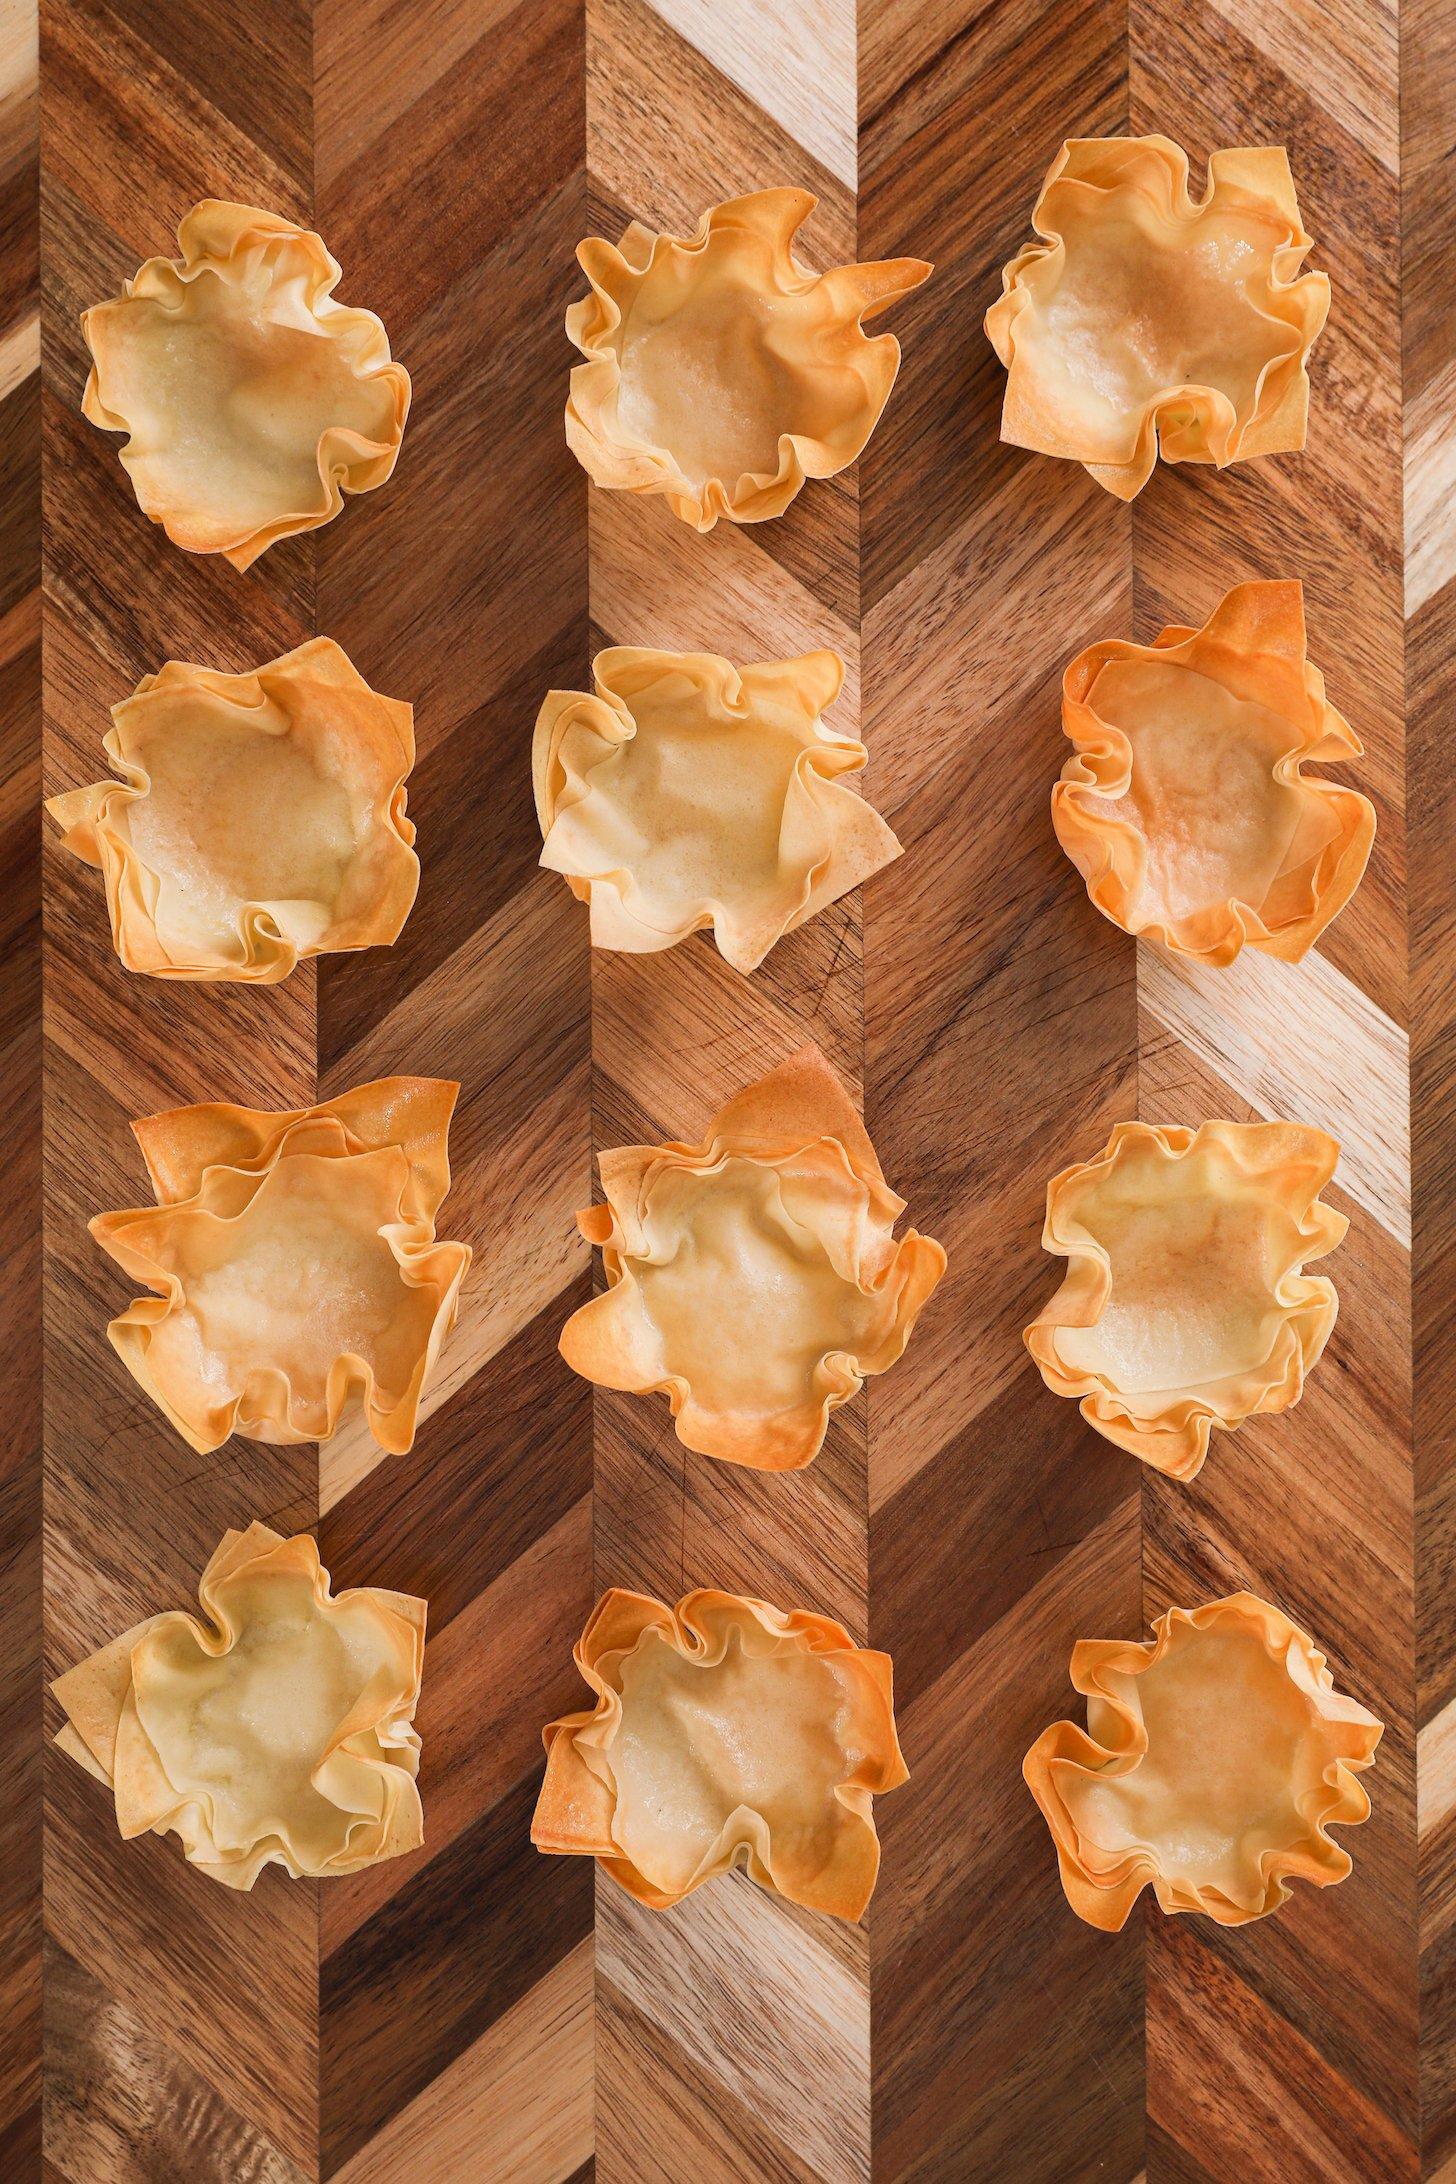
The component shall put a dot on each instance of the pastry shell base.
(724, 1733)
(684, 793)
(718, 371)
(252, 401)
(277, 1731)
(1145, 322)
(1185, 1305)
(753, 1279)
(1214, 1761)
(293, 1261)
(258, 819)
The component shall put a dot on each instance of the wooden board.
(479, 2012)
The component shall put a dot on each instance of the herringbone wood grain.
(475, 2011)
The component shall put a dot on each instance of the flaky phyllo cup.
(721, 373)
(252, 401)
(277, 1731)
(258, 818)
(1185, 806)
(725, 1733)
(294, 1263)
(1213, 1763)
(754, 1279)
(1185, 1303)
(1145, 322)
(685, 792)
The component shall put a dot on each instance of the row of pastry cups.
(257, 819)
(1210, 1832)
(719, 372)
(279, 1729)
(753, 1278)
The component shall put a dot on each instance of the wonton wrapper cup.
(686, 793)
(724, 1733)
(1184, 806)
(294, 1261)
(1185, 1305)
(1214, 1760)
(1145, 323)
(279, 1731)
(259, 818)
(718, 371)
(252, 401)
(753, 1279)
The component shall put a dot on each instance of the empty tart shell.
(293, 1262)
(1185, 806)
(1144, 321)
(685, 793)
(277, 1730)
(724, 1733)
(258, 818)
(251, 400)
(718, 371)
(1214, 1761)
(754, 1279)
(1185, 1303)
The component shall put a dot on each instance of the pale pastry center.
(1194, 1261)
(301, 1277)
(1216, 825)
(236, 815)
(250, 1726)
(742, 1296)
(1232, 1747)
(692, 806)
(230, 395)
(768, 1732)
(1142, 306)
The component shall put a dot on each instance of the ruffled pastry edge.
(215, 232)
(87, 818)
(1175, 1440)
(1103, 1886)
(410, 1114)
(799, 1104)
(613, 270)
(1185, 424)
(857, 843)
(1261, 625)
(100, 1707)
(575, 1810)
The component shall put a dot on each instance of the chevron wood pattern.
(476, 2011)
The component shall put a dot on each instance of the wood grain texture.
(478, 2011)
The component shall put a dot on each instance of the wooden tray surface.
(477, 2011)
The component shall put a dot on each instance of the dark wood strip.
(423, 1979)
(120, 2104)
(496, 1467)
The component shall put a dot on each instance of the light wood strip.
(794, 58)
(1301, 1043)
(726, 1967)
(516, 2108)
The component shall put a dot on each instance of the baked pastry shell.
(309, 710)
(1160, 1205)
(1131, 194)
(619, 854)
(793, 1136)
(763, 378)
(372, 1163)
(123, 1703)
(578, 1809)
(1292, 847)
(239, 309)
(1102, 1881)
